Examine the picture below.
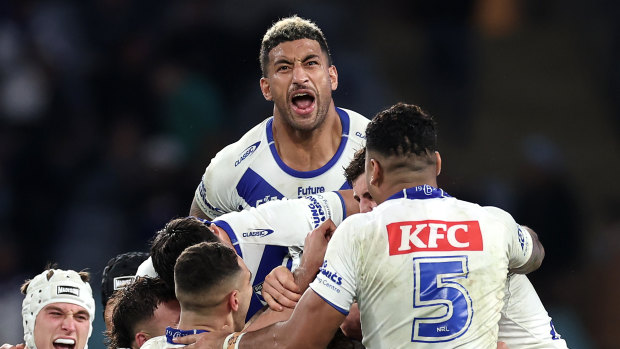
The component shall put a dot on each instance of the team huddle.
(319, 228)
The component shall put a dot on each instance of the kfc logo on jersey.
(433, 235)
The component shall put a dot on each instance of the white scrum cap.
(64, 286)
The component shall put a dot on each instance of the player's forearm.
(304, 275)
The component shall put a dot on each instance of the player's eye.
(282, 68)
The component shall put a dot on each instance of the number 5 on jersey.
(434, 288)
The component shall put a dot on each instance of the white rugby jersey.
(250, 172)
(427, 270)
(524, 322)
(262, 235)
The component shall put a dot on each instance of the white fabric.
(159, 342)
(146, 269)
(457, 292)
(263, 235)
(524, 322)
(250, 172)
(64, 286)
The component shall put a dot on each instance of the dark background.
(110, 110)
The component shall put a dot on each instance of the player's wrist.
(232, 340)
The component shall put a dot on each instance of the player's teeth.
(65, 341)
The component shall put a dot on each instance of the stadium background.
(111, 109)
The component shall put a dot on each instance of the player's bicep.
(537, 254)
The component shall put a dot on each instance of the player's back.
(431, 273)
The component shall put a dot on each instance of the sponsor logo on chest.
(247, 152)
(309, 190)
(433, 235)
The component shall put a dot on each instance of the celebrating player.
(428, 270)
(302, 149)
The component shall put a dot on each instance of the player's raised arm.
(538, 252)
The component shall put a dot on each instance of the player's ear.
(333, 77)
(265, 89)
(233, 300)
(376, 175)
(437, 163)
(141, 338)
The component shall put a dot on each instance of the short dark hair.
(124, 265)
(356, 167)
(290, 29)
(201, 267)
(168, 243)
(134, 304)
(402, 130)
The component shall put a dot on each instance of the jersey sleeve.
(336, 282)
(215, 194)
(282, 222)
(520, 247)
(520, 243)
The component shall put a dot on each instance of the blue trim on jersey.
(255, 190)
(172, 333)
(344, 207)
(343, 311)
(420, 192)
(273, 256)
(344, 121)
(345, 186)
(231, 234)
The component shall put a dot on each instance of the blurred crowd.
(110, 110)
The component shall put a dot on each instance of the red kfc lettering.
(433, 235)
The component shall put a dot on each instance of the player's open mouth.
(302, 102)
(64, 343)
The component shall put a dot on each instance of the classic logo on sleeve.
(433, 235)
(258, 233)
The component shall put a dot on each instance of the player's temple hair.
(290, 29)
(402, 130)
(169, 243)
(202, 267)
(134, 304)
(356, 167)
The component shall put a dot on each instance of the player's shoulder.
(499, 214)
(356, 120)
(235, 154)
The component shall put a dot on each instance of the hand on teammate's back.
(280, 290)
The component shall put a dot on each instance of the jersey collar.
(424, 191)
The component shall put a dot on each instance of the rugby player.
(423, 265)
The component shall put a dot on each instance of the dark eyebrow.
(281, 61)
(53, 307)
(311, 56)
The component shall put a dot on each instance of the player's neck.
(307, 151)
(208, 319)
(398, 183)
